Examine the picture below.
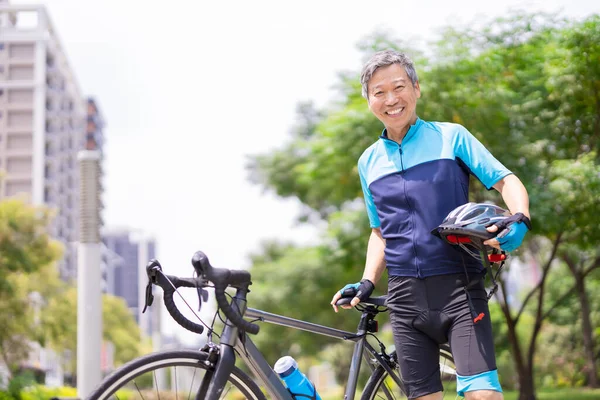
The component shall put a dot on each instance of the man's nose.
(390, 99)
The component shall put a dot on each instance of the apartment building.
(44, 122)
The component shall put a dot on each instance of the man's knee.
(484, 395)
(432, 396)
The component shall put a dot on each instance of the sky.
(189, 89)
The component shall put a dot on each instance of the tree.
(525, 87)
(25, 245)
(118, 325)
(25, 250)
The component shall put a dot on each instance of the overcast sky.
(189, 88)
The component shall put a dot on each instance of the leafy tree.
(118, 325)
(527, 87)
(25, 245)
(26, 251)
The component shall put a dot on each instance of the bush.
(562, 362)
(39, 392)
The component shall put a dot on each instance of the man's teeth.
(394, 112)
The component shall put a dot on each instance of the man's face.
(393, 98)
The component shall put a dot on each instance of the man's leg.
(432, 396)
(418, 354)
(484, 395)
(472, 346)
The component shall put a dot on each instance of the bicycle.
(215, 363)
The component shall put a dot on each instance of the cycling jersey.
(409, 189)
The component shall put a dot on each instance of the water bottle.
(296, 382)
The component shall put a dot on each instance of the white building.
(43, 121)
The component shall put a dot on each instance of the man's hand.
(512, 231)
(361, 291)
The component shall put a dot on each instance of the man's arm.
(374, 264)
(516, 199)
(514, 194)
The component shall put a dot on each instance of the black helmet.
(466, 226)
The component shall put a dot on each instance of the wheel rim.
(386, 387)
(170, 379)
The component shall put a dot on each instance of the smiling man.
(412, 177)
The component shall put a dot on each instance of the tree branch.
(544, 274)
(558, 302)
(595, 264)
(568, 260)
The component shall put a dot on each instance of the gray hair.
(383, 59)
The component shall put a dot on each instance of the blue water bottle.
(297, 383)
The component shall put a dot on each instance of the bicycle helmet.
(466, 225)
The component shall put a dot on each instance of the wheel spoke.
(139, 391)
(159, 376)
(192, 383)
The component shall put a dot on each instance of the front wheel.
(382, 386)
(176, 374)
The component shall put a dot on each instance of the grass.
(542, 394)
(560, 394)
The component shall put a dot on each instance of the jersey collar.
(411, 131)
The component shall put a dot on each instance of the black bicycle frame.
(231, 340)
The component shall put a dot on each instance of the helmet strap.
(487, 268)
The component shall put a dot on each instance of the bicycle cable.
(186, 303)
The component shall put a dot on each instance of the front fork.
(221, 360)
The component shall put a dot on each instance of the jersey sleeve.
(369, 203)
(478, 159)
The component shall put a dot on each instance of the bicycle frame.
(249, 353)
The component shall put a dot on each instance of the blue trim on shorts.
(484, 381)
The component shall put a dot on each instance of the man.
(412, 177)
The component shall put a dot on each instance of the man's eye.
(378, 93)
(399, 87)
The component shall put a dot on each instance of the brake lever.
(202, 296)
(152, 270)
(149, 296)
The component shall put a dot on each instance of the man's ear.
(418, 89)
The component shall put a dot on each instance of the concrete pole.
(161, 374)
(143, 318)
(89, 276)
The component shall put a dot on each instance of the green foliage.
(562, 362)
(120, 329)
(30, 391)
(35, 304)
(39, 392)
(118, 325)
(18, 383)
(528, 87)
(293, 282)
(27, 257)
(24, 242)
(574, 187)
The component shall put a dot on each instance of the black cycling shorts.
(425, 313)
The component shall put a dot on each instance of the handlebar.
(220, 277)
(169, 284)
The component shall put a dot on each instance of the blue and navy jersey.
(411, 187)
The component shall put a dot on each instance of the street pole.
(89, 276)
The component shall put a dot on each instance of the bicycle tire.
(121, 379)
(390, 390)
